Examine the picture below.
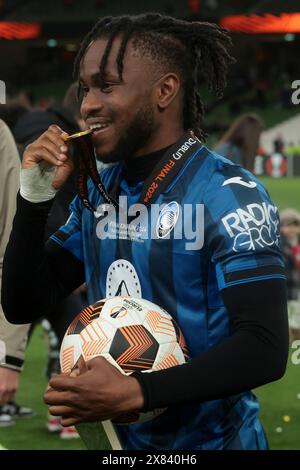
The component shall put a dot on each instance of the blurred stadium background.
(38, 42)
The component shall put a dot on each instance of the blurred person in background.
(17, 104)
(30, 125)
(71, 103)
(14, 337)
(290, 242)
(240, 143)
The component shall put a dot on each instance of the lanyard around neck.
(162, 175)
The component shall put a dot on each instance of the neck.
(142, 163)
(164, 137)
(137, 169)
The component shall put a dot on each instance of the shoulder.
(8, 149)
(236, 197)
(3, 126)
(5, 133)
(227, 177)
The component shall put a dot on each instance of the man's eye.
(82, 92)
(106, 87)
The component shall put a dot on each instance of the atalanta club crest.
(167, 219)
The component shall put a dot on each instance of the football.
(132, 334)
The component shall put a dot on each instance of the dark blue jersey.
(217, 228)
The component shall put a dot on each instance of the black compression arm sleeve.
(255, 353)
(35, 277)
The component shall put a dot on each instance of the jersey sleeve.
(242, 234)
(69, 236)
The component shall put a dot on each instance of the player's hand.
(9, 382)
(52, 148)
(101, 392)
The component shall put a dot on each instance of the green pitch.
(31, 433)
(280, 409)
(280, 405)
(284, 191)
(280, 401)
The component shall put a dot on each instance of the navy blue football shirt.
(217, 228)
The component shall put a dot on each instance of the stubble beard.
(134, 138)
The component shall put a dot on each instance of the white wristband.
(36, 182)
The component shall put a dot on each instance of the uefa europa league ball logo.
(2, 92)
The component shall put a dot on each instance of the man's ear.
(167, 89)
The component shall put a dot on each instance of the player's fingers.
(64, 382)
(61, 410)
(67, 399)
(70, 421)
(52, 147)
(58, 140)
(39, 153)
(98, 361)
(82, 366)
(64, 136)
(75, 373)
(55, 129)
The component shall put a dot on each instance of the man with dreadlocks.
(139, 82)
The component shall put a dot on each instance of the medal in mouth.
(79, 134)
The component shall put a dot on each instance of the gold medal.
(79, 134)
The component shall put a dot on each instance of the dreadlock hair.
(198, 51)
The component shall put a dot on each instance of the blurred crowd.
(290, 243)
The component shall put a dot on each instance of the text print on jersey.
(136, 223)
(253, 227)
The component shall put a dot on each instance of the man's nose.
(91, 105)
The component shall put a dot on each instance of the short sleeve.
(242, 233)
(69, 236)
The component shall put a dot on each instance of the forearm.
(23, 277)
(33, 283)
(255, 354)
(237, 365)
